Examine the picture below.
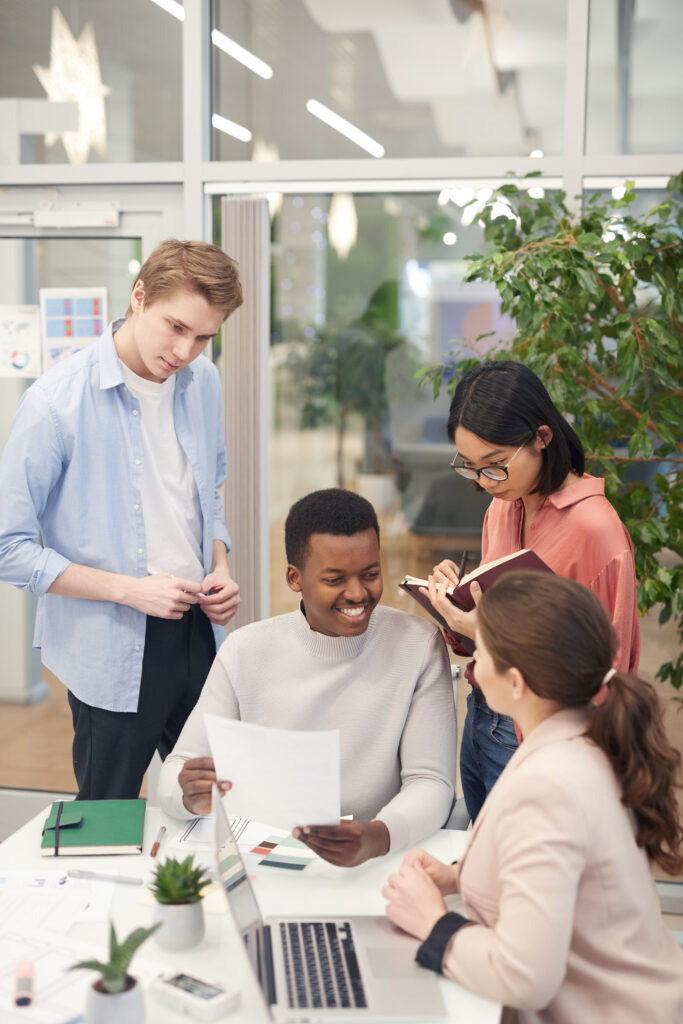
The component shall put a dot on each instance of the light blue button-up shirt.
(72, 472)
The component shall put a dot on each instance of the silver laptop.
(333, 968)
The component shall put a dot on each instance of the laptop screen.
(232, 875)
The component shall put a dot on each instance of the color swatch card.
(286, 777)
(279, 849)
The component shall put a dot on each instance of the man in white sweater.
(380, 676)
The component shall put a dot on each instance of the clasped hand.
(415, 893)
(166, 596)
(219, 596)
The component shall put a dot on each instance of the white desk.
(320, 888)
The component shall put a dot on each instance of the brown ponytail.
(628, 727)
(558, 635)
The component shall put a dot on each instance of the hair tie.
(601, 696)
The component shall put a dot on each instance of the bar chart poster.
(72, 318)
(19, 341)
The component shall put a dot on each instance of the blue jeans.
(488, 743)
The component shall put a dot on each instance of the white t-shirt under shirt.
(170, 502)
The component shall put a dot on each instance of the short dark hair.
(503, 402)
(333, 510)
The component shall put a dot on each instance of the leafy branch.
(597, 300)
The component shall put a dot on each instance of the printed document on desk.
(286, 777)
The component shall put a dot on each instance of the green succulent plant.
(115, 973)
(179, 881)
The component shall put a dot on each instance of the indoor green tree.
(597, 302)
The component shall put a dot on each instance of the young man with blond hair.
(114, 459)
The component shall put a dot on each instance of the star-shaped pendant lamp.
(74, 75)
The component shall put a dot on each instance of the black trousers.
(112, 749)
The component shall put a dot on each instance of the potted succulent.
(116, 996)
(177, 887)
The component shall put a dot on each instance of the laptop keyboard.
(321, 966)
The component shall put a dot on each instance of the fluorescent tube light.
(345, 127)
(231, 128)
(171, 7)
(233, 49)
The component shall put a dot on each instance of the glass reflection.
(350, 327)
(447, 78)
(118, 64)
(635, 78)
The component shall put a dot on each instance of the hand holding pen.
(446, 572)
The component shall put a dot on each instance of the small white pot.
(112, 1008)
(182, 924)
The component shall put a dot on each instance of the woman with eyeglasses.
(513, 443)
(560, 918)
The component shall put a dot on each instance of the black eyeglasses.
(491, 472)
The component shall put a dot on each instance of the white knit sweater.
(388, 691)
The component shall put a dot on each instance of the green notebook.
(93, 827)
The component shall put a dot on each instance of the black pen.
(463, 563)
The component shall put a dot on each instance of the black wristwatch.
(430, 953)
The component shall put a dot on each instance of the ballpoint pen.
(102, 877)
(157, 842)
(463, 563)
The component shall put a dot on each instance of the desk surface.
(321, 888)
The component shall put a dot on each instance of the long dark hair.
(558, 635)
(505, 403)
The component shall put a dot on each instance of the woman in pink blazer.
(562, 919)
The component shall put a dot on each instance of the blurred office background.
(122, 124)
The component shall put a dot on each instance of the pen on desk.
(157, 842)
(463, 563)
(101, 877)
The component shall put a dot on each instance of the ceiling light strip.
(344, 127)
(171, 7)
(237, 52)
(223, 124)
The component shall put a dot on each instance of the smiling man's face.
(340, 582)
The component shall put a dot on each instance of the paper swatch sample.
(285, 777)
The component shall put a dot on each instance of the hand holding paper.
(281, 776)
(348, 843)
(196, 779)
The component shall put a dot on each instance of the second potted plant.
(116, 996)
(177, 887)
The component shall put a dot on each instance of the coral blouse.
(579, 535)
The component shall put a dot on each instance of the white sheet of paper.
(198, 834)
(286, 777)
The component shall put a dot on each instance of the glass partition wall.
(352, 319)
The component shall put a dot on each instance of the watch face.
(194, 986)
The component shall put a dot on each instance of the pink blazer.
(569, 929)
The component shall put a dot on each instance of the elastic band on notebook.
(60, 808)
